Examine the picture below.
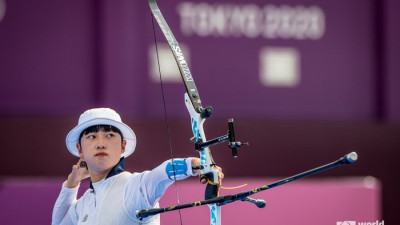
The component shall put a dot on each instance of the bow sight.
(230, 136)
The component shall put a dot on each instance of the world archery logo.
(377, 222)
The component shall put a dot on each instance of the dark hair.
(97, 128)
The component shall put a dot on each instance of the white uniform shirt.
(142, 191)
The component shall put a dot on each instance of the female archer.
(102, 142)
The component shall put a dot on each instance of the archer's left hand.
(196, 163)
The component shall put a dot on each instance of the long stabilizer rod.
(244, 196)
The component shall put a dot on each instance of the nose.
(101, 146)
(101, 142)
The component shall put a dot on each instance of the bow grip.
(212, 189)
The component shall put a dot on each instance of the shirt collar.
(117, 169)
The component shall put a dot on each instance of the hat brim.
(127, 133)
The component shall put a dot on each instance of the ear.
(78, 146)
(123, 146)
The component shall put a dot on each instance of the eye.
(91, 136)
(110, 135)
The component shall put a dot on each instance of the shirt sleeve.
(143, 190)
(64, 207)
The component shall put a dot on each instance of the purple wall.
(336, 71)
(392, 55)
(46, 57)
(95, 53)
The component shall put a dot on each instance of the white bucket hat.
(101, 116)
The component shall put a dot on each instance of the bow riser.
(206, 159)
(206, 162)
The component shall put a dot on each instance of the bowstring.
(166, 118)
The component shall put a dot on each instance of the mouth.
(101, 154)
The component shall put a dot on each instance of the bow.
(198, 115)
(209, 174)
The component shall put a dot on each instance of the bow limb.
(186, 75)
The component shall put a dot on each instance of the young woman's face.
(101, 150)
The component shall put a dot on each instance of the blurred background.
(306, 82)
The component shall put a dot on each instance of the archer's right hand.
(78, 173)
